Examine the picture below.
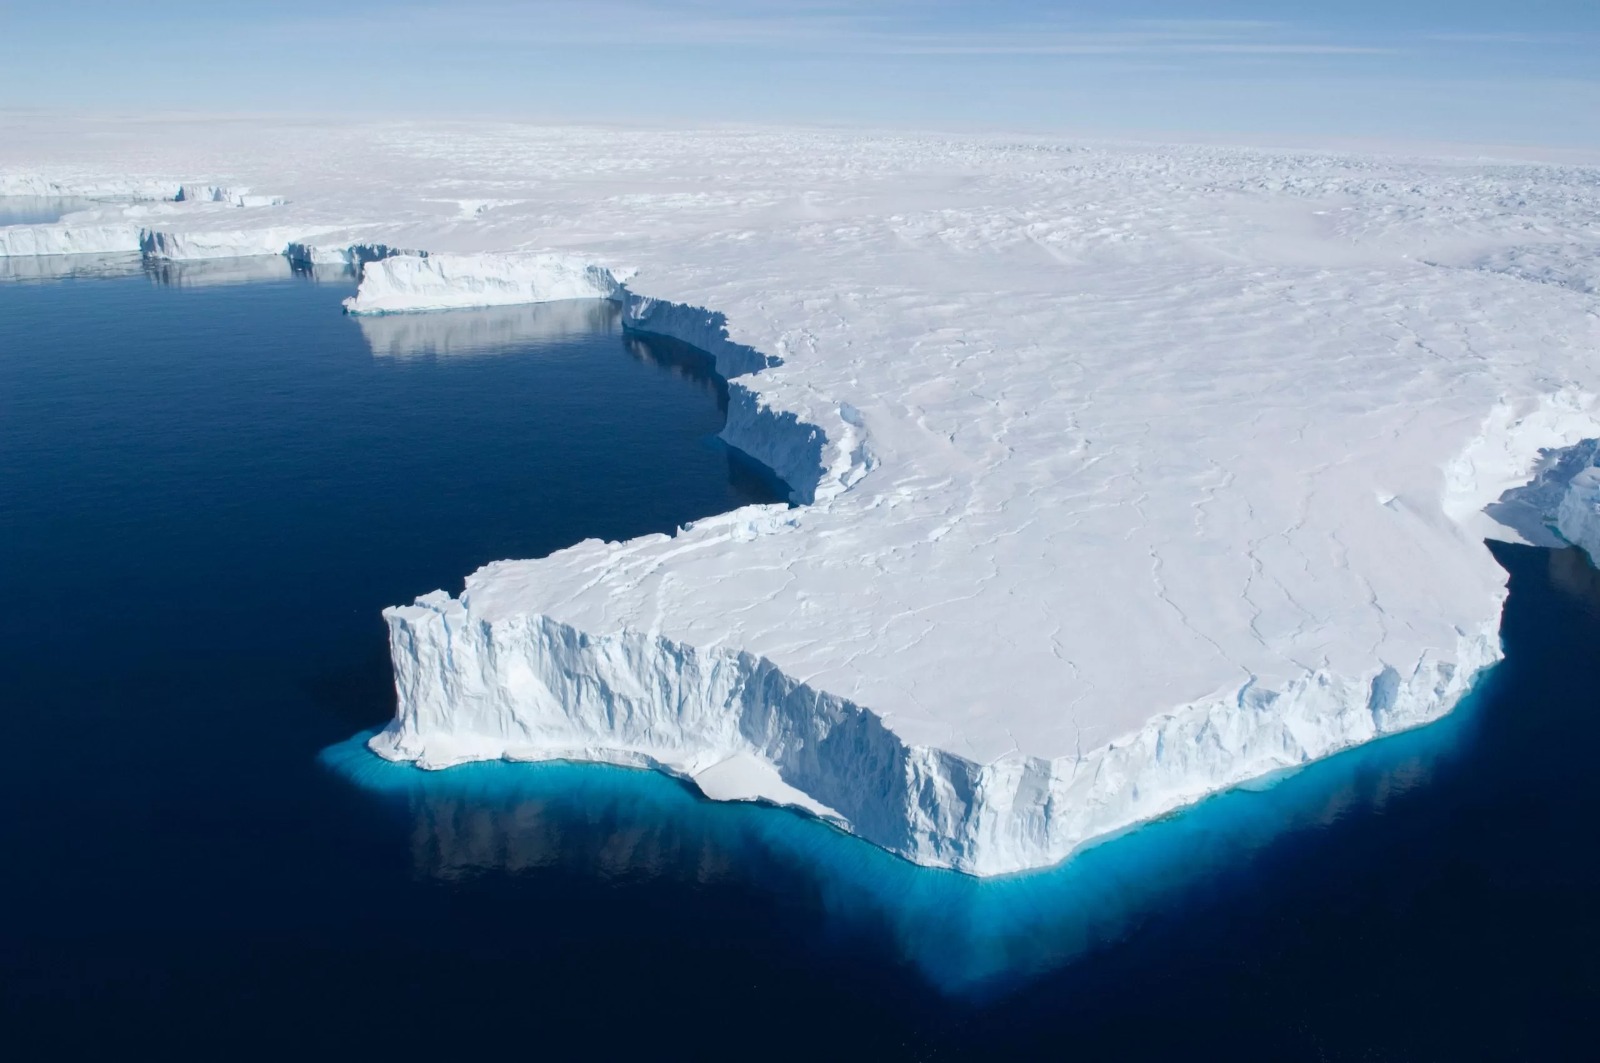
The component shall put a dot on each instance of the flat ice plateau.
(1127, 473)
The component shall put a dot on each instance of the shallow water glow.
(967, 936)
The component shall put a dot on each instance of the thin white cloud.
(885, 27)
(1539, 39)
(1111, 44)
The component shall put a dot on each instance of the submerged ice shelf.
(969, 936)
(1127, 474)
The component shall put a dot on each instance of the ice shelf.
(1126, 473)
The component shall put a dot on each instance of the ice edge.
(528, 687)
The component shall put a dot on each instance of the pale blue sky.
(1509, 72)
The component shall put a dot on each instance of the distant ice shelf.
(1123, 474)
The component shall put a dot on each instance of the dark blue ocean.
(211, 481)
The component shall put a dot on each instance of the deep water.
(208, 491)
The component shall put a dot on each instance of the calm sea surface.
(208, 491)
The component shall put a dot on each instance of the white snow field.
(1127, 473)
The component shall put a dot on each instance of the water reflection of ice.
(490, 330)
(967, 936)
(192, 274)
(210, 272)
(65, 267)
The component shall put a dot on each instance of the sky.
(1513, 72)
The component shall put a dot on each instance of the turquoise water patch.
(967, 936)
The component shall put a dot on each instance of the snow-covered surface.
(1131, 472)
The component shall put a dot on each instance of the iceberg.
(235, 197)
(1121, 474)
(410, 282)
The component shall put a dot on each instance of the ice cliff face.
(68, 239)
(529, 688)
(234, 197)
(194, 245)
(819, 455)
